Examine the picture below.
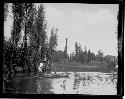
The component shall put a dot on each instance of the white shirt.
(40, 67)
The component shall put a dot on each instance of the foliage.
(5, 10)
(53, 39)
(52, 43)
(89, 58)
(58, 56)
(33, 48)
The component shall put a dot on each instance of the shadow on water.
(94, 83)
(43, 86)
(21, 86)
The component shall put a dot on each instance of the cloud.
(93, 18)
(94, 29)
(99, 28)
(102, 16)
(54, 15)
(54, 18)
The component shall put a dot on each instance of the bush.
(111, 65)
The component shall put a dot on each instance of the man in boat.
(42, 67)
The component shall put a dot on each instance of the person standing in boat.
(42, 67)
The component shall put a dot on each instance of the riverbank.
(79, 68)
(68, 67)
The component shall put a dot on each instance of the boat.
(46, 68)
(55, 75)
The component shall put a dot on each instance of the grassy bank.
(80, 69)
(69, 67)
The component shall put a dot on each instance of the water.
(93, 83)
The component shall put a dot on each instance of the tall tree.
(89, 56)
(65, 51)
(29, 33)
(27, 12)
(41, 26)
(85, 56)
(18, 14)
(32, 22)
(76, 51)
(37, 34)
(52, 42)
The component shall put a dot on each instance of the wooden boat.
(55, 75)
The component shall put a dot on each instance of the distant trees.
(89, 58)
(58, 56)
(80, 56)
(111, 61)
(53, 39)
(65, 51)
(52, 43)
(78, 52)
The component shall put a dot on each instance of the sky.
(8, 23)
(91, 25)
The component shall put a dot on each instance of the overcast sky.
(91, 25)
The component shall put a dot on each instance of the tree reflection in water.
(93, 83)
(21, 86)
(44, 86)
(86, 83)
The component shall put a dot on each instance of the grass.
(78, 67)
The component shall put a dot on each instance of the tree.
(11, 46)
(80, 53)
(72, 56)
(86, 56)
(76, 51)
(18, 15)
(89, 56)
(92, 57)
(32, 22)
(100, 56)
(65, 51)
(41, 35)
(52, 42)
(37, 36)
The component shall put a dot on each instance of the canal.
(92, 83)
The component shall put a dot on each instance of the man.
(40, 67)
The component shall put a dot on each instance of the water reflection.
(44, 86)
(21, 86)
(86, 83)
(93, 83)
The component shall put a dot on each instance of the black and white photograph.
(60, 48)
